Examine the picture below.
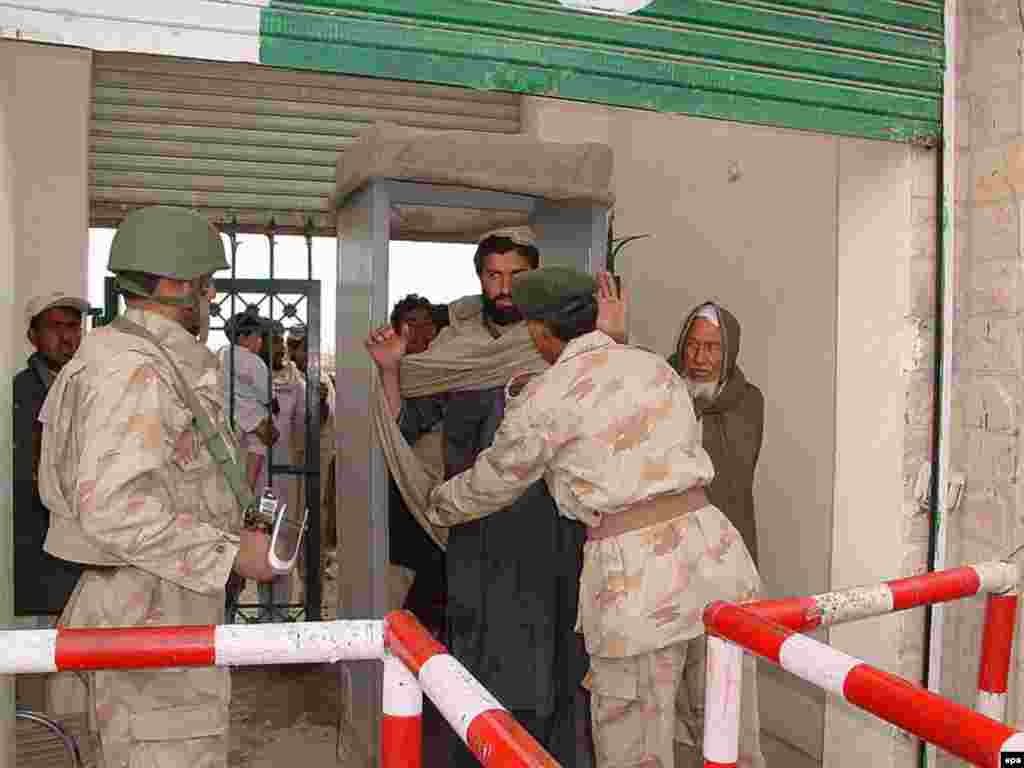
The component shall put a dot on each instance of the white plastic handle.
(285, 566)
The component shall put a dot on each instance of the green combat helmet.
(169, 242)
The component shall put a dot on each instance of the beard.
(500, 315)
(704, 391)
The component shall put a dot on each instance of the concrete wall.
(8, 314)
(49, 112)
(821, 248)
(988, 363)
(44, 130)
(884, 374)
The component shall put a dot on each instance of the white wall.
(49, 108)
(875, 333)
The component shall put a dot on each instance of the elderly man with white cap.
(42, 583)
(730, 412)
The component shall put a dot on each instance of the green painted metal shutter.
(869, 68)
(248, 140)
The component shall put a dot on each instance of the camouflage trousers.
(648, 710)
(168, 718)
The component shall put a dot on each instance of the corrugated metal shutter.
(248, 140)
(870, 68)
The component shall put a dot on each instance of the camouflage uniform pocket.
(616, 711)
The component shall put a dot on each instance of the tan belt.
(660, 509)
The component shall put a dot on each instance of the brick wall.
(987, 341)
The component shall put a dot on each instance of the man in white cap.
(730, 412)
(42, 583)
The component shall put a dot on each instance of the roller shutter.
(247, 140)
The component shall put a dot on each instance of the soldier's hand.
(611, 308)
(386, 347)
(252, 560)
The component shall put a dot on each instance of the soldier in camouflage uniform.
(612, 430)
(137, 498)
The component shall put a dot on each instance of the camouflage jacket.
(606, 426)
(123, 471)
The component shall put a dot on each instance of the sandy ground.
(287, 715)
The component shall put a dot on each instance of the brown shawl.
(464, 356)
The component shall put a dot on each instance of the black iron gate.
(292, 303)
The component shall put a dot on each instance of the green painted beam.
(870, 68)
(909, 16)
(642, 30)
(513, 64)
(604, 90)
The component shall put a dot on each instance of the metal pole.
(232, 230)
(945, 311)
(996, 649)
(975, 738)
(312, 480)
(803, 614)
(722, 704)
(483, 724)
(64, 649)
(401, 729)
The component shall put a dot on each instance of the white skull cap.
(710, 313)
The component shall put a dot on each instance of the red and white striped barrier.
(229, 645)
(722, 703)
(978, 739)
(996, 647)
(401, 728)
(481, 721)
(806, 613)
(414, 663)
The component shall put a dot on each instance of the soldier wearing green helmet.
(136, 468)
(173, 244)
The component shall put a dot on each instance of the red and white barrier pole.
(722, 703)
(996, 648)
(401, 729)
(481, 721)
(63, 649)
(975, 738)
(806, 613)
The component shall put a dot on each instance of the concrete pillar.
(7, 364)
(880, 347)
(49, 112)
(45, 98)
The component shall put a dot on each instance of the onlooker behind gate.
(289, 390)
(42, 583)
(247, 389)
(298, 352)
(417, 314)
(410, 548)
(248, 400)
